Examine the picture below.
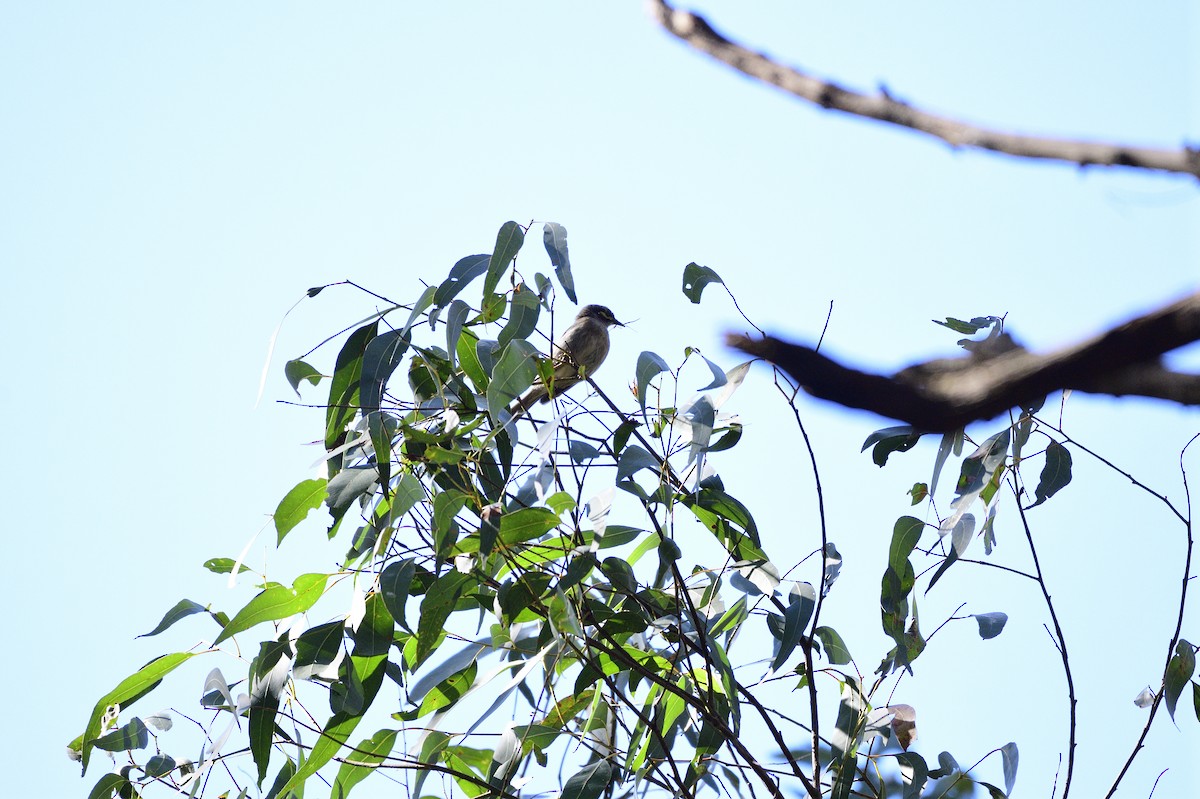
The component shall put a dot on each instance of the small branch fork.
(695, 31)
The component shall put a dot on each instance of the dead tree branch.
(947, 394)
(697, 33)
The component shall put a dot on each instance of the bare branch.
(947, 394)
(697, 33)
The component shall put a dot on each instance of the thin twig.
(1187, 568)
(1062, 643)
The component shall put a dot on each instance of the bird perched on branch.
(576, 355)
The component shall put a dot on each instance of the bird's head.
(599, 313)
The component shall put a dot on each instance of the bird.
(576, 355)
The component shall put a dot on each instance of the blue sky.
(178, 174)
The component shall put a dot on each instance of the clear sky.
(177, 174)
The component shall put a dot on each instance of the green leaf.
(467, 350)
(461, 274)
(990, 624)
(589, 782)
(454, 328)
(901, 438)
(914, 772)
(905, 535)
(362, 762)
(286, 772)
(275, 603)
(801, 602)
(649, 366)
(448, 691)
(395, 581)
(526, 524)
(727, 507)
(160, 766)
(133, 735)
(423, 302)
(523, 313)
(1055, 474)
(126, 693)
(341, 725)
(852, 709)
(695, 278)
(348, 485)
(183, 608)
(319, 646)
(835, 648)
(508, 243)
(305, 497)
(264, 706)
(1179, 670)
(374, 633)
(220, 565)
(382, 355)
(297, 370)
(437, 606)
(1009, 757)
(554, 236)
(513, 373)
(634, 459)
(343, 389)
(446, 505)
(110, 785)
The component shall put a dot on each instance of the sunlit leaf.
(306, 496)
(126, 693)
(366, 757)
(275, 603)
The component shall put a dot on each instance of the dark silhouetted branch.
(947, 394)
(697, 33)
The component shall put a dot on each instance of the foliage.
(533, 603)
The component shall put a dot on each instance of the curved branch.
(697, 33)
(947, 394)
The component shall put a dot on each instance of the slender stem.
(1061, 644)
(1187, 568)
(806, 642)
